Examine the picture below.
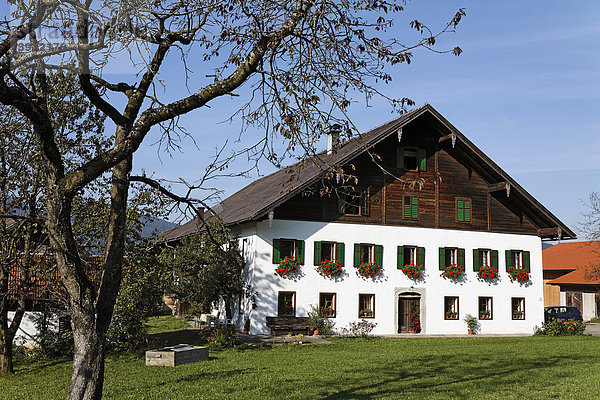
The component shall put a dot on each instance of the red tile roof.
(581, 258)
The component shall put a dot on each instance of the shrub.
(224, 336)
(361, 328)
(559, 327)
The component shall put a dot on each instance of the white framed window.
(451, 256)
(367, 253)
(485, 259)
(366, 305)
(410, 255)
(518, 307)
(485, 308)
(451, 307)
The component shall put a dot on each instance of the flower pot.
(316, 332)
(245, 332)
(470, 331)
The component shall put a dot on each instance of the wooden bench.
(287, 325)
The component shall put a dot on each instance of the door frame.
(410, 293)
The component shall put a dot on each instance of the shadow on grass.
(450, 375)
(188, 336)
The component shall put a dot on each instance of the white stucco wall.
(27, 328)
(260, 274)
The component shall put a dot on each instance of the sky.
(526, 91)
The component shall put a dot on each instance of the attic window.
(354, 203)
(411, 159)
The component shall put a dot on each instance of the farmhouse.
(425, 227)
(571, 277)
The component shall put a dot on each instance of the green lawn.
(428, 368)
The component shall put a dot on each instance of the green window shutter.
(356, 254)
(276, 251)
(461, 258)
(339, 253)
(442, 257)
(476, 260)
(507, 254)
(422, 159)
(467, 210)
(415, 207)
(366, 200)
(407, 207)
(317, 257)
(400, 262)
(300, 251)
(421, 256)
(495, 259)
(460, 210)
(399, 157)
(526, 261)
(341, 204)
(379, 255)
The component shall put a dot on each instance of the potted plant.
(484, 314)
(247, 325)
(317, 319)
(288, 266)
(517, 314)
(451, 315)
(369, 270)
(413, 271)
(452, 271)
(329, 269)
(519, 274)
(487, 272)
(366, 313)
(471, 322)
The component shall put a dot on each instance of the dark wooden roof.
(254, 201)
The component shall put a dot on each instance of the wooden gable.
(449, 175)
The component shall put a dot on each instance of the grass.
(594, 321)
(416, 368)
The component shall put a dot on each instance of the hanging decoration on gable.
(271, 216)
(507, 189)
(453, 139)
(399, 134)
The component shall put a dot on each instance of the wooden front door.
(409, 313)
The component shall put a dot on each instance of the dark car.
(562, 312)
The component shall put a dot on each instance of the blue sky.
(526, 91)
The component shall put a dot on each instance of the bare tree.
(302, 61)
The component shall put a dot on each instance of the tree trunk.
(88, 361)
(6, 359)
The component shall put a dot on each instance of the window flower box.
(329, 268)
(517, 315)
(288, 266)
(488, 273)
(452, 271)
(369, 270)
(519, 274)
(413, 271)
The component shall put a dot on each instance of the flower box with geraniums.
(369, 270)
(329, 269)
(288, 266)
(452, 271)
(518, 274)
(487, 273)
(413, 271)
